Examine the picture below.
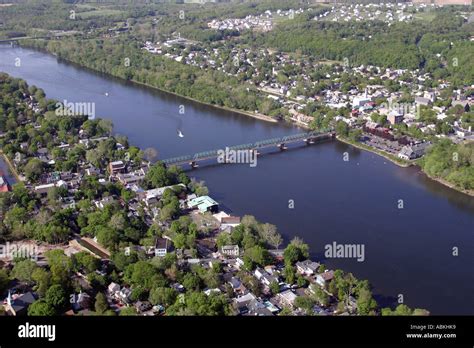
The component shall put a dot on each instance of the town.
(129, 237)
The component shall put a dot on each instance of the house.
(237, 285)
(360, 101)
(422, 101)
(19, 305)
(395, 117)
(307, 267)
(116, 167)
(204, 204)
(287, 297)
(410, 152)
(265, 277)
(324, 278)
(104, 202)
(124, 295)
(241, 303)
(230, 250)
(81, 301)
(154, 195)
(162, 246)
(230, 221)
(113, 288)
(130, 178)
(143, 306)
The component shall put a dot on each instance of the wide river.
(408, 251)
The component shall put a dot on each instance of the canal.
(309, 192)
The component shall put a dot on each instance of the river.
(408, 251)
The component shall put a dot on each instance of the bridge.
(281, 142)
(16, 39)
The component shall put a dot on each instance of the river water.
(309, 192)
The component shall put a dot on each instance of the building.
(410, 152)
(19, 305)
(204, 204)
(307, 267)
(360, 101)
(395, 117)
(230, 250)
(324, 278)
(162, 246)
(116, 167)
(154, 195)
(287, 297)
(265, 277)
(422, 101)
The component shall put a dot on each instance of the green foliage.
(56, 297)
(23, 270)
(128, 311)
(41, 308)
(451, 162)
(101, 304)
(296, 251)
(163, 296)
(404, 310)
(4, 280)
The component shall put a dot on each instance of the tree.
(342, 128)
(41, 308)
(33, 169)
(295, 251)
(286, 312)
(56, 297)
(4, 280)
(128, 311)
(365, 303)
(269, 234)
(274, 287)
(60, 266)
(163, 296)
(289, 273)
(42, 279)
(101, 304)
(304, 302)
(23, 270)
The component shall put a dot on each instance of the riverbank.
(398, 161)
(238, 111)
(404, 164)
(448, 184)
(11, 168)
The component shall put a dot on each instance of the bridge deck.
(206, 155)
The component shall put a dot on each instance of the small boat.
(180, 134)
(106, 94)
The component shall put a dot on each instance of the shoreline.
(10, 167)
(375, 151)
(440, 181)
(238, 111)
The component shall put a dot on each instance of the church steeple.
(9, 298)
